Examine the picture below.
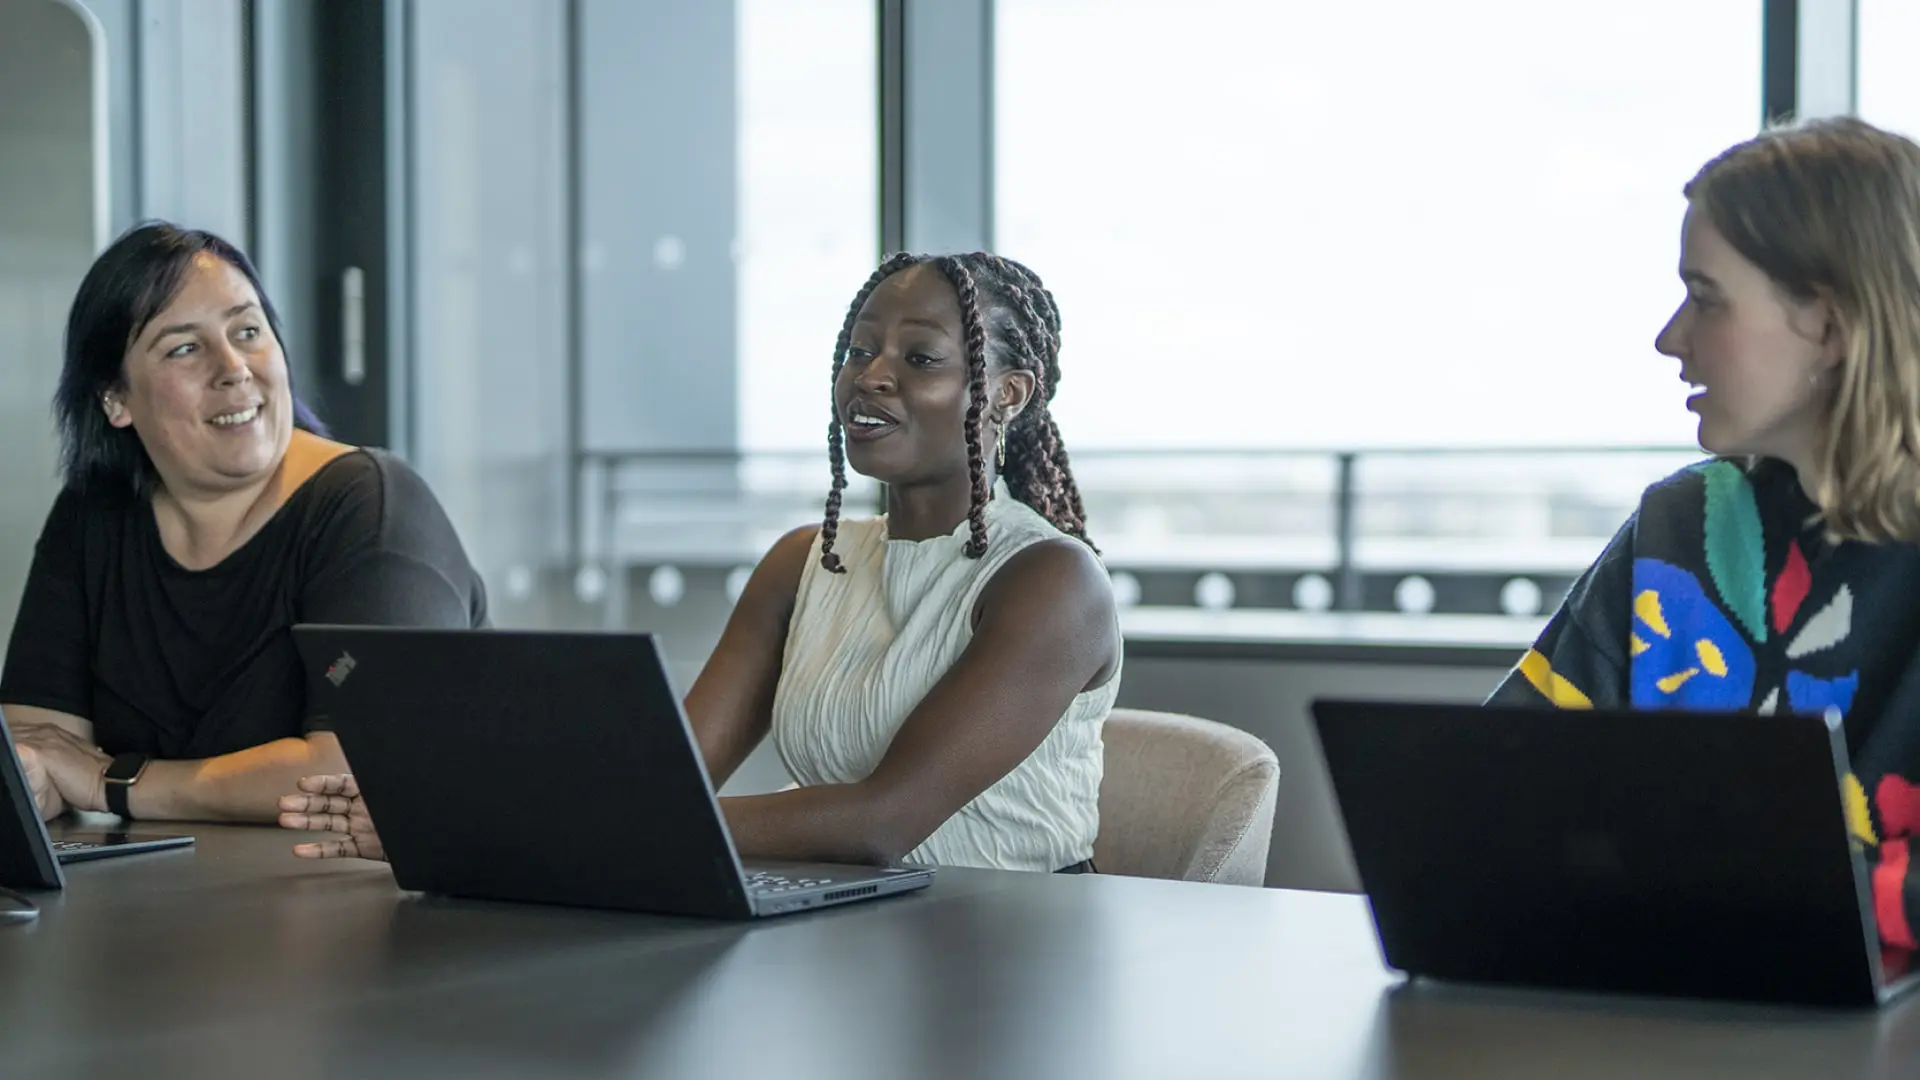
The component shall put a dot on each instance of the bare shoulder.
(1053, 602)
(1050, 581)
(793, 548)
(776, 579)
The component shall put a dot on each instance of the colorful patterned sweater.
(1721, 592)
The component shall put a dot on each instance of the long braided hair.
(1003, 305)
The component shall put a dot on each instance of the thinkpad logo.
(338, 671)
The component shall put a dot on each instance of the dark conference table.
(235, 959)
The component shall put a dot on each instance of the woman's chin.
(872, 462)
(1711, 438)
(248, 462)
(1720, 444)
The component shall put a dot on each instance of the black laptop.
(549, 768)
(28, 858)
(1664, 853)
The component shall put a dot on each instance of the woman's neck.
(924, 511)
(200, 528)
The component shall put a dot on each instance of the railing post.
(613, 604)
(1347, 574)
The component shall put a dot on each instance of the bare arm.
(241, 786)
(21, 718)
(731, 703)
(1045, 633)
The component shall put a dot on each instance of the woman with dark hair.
(935, 679)
(151, 671)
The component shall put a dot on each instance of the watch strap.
(121, 774)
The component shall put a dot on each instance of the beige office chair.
(1185, 798)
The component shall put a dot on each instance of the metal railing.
(1343, 513)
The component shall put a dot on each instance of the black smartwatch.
(122, 773)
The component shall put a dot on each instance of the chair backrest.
(1185, 798)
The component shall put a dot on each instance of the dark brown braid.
(1038, 472)
(1005, 307)
(836, 439)
(973, 327)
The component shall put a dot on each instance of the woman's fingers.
(340, 784)
(315, 822)
(330, 803)
(316, 804)
(327, 849)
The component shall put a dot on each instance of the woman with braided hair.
(935, 679)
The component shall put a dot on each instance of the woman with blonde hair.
(1782, 574)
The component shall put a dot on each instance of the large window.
(1281, 223)
(808, 206)
(489, 285)
(714, 241)
(1887, 80)
(1277, 226)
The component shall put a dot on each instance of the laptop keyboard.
(761, 883)
(72, 845)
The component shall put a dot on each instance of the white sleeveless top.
(864, 647)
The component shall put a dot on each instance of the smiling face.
(204, 385)
(903, 393)
(1761, 361)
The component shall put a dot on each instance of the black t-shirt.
(186, 664)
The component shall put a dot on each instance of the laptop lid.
(494, 760)
(1693, 854)
(26, 855)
